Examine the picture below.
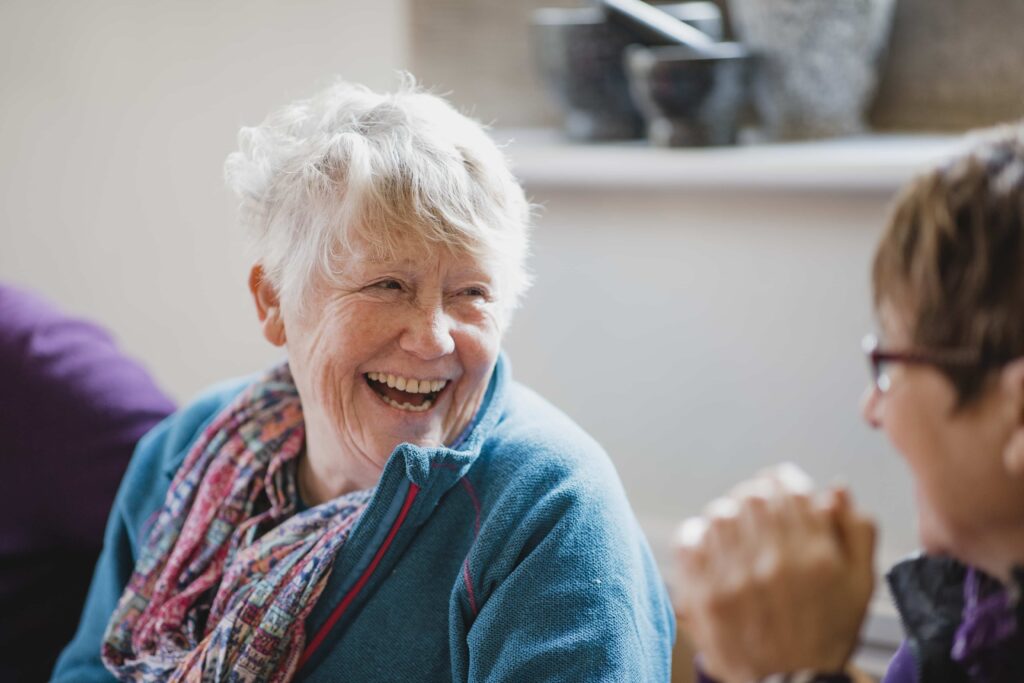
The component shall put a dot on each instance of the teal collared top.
(511, 556)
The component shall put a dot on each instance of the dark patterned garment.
(962, 626)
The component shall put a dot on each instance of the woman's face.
(396, 350)
(962, 490)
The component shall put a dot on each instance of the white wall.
(116, 118)
(702, 335)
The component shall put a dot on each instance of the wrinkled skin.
(774, 578)
(431, 315)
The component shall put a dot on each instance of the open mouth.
(404, 393)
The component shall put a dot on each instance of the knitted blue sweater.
(514, 557)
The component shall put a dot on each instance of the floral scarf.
(229, 571)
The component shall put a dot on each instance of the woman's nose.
(428, 334)
(869, 406)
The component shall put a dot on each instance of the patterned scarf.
(229, 572)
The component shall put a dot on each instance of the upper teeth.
(413, 386)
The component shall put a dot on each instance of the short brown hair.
(952, 257)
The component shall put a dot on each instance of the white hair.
(386, 167)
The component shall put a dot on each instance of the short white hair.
(388, 167)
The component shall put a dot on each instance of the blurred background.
(698, 304)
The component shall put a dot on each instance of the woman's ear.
(1012, 379)
(268, 306)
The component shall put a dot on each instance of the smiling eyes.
(391, 285)
(388, 284)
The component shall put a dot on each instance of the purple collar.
(991, 621)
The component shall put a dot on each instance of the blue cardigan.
(515, 557)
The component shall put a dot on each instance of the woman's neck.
(325, 472)
(998, 553)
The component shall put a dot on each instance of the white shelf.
(872, 163)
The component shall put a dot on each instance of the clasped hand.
(775, 578)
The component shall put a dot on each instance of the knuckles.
(770, 559)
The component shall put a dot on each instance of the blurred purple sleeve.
(72, 408)
(902, 668)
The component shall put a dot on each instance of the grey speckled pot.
(817, 62)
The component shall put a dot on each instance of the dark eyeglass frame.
(944, 358)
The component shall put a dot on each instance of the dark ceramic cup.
(688, 100)
(579, 54)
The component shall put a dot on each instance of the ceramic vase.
(817, 62)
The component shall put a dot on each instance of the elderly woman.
(388, 504)
(776, 578)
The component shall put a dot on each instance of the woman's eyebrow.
(467, 271)
(389, 262)
(471, 274)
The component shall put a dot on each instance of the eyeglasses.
(879, 359)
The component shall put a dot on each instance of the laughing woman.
(388, 504)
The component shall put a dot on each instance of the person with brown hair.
(775, 578)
